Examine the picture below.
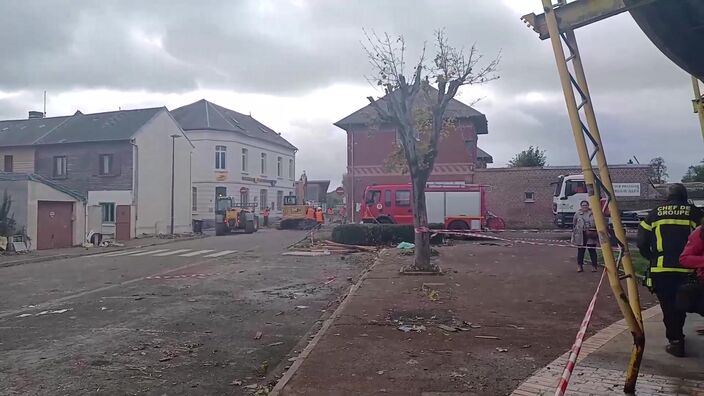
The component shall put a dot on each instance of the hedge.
(378, 234)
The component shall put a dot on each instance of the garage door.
(54, 224)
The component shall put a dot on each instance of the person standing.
(584, 235)
(662, 237)
(266, 216)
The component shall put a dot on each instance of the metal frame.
(574, 81)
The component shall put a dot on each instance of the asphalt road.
(181, 318)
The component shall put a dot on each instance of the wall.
(23, 159)
(206, 178)
(83, 165)
(95, 213)
(152, 192)
(18, 190)
(41, 192)
(507, 188)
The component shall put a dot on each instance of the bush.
(378, 234)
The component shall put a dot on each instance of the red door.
(122, 223)
(54, 224)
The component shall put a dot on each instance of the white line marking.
(124, 253)
(151, 251)
(223, 253)
(197, 252)
(169, 253)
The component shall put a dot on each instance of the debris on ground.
(258, 335)
(236, 383)
(308, 253)
(324, 248)
(485, 337)
(273, 344)
(433, 295)
(451, 329)
(416, 328)
(502, 349)
(405, 246)
(301, 306)
(380, 372)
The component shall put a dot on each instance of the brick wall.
(507, 188)
(83, 165)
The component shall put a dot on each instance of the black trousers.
(666, 286)
(592, 254)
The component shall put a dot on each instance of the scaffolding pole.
(629, 304)
(698, 103)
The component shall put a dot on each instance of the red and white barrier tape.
(577, 347)
(491, 237)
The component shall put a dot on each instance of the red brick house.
(370, 143)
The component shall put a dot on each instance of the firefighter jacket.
(663, 235)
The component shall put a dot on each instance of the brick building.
(523, 196)
(370, 143)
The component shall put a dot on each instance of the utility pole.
(173, 165)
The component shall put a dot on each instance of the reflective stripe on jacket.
(663, 235)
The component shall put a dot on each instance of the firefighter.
(319, 216)
(662, 237)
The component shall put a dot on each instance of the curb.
(91, 252)
(283, 381)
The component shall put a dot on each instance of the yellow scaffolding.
(589, 147)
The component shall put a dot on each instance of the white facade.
(151, 195)
(244, 168)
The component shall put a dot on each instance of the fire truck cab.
(458, 206)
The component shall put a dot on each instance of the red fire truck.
(458, 206)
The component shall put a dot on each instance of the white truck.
(570, 190)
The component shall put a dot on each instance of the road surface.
(192, 317)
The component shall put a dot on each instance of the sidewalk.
(482, 328)
(600, 368)
(10, 260)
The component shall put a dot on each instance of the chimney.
(35, 114)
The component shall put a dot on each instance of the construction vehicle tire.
(220, 229)
(249, 227)
(458, 225)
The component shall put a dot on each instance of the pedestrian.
(266, 216)
(662, 237)
(584, 235)
(690, 297)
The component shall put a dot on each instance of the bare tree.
(450, 69)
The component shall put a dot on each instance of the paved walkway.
(601, 364)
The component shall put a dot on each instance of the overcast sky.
(298, 66)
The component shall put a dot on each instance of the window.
(529, 196)
(575, 187)
(244, 196)
(373, 197)
(105, 165)
(108, 211)
(403, 198)
(245, 160)
(291, 170)
(279, 166)
(387, 198)
(194, 199)
(60, 166)
(263, 163)
(8, 164)
(262, 198)
(220, 192)
(279, 200)
(220, 152)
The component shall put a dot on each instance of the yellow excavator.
(293, 216)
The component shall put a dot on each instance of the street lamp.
(173, 163)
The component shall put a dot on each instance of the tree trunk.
(420, 221)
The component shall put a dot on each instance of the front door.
(122, 223)
(54, 224)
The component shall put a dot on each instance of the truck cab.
(569, 191)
